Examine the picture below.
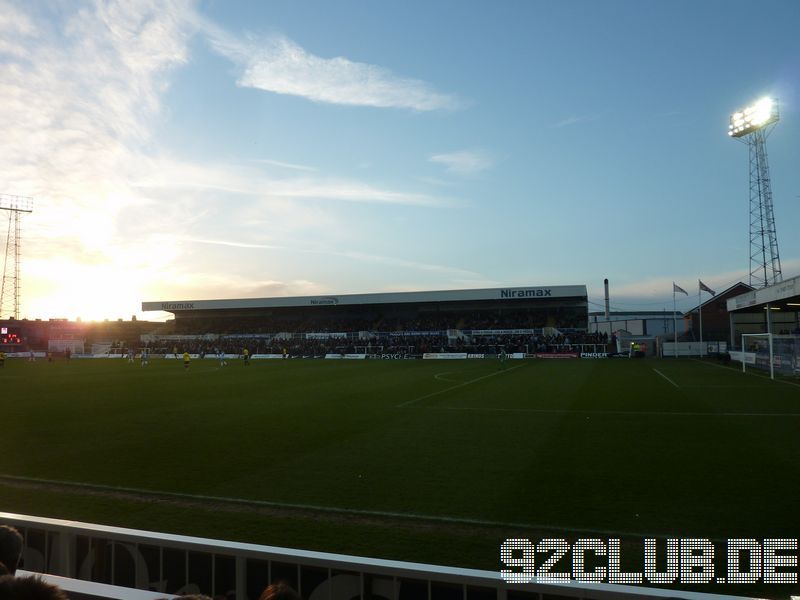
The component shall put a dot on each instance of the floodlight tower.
(752, 125)
(9, 290)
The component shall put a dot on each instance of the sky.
(181, 150)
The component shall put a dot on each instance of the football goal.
(774, 353)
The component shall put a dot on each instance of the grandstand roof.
(785, 295)
(507, 293)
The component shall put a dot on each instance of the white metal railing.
(177, 564)
(78, 589)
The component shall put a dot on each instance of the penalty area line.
(667, 378)
(455, 387)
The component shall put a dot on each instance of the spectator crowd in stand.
(435, 321)
(306, 333)
(383, 343)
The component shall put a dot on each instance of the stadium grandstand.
(765, 327)
(515, 319)
(20, 336)
(772, 309)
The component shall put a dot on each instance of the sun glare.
(64, 289)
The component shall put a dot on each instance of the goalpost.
(772, 352)
(758, 342)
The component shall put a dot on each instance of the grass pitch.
(433, 461)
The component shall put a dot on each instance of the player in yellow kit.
(186, 359)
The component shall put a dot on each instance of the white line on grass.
(440, 378)
(713, 386)
(702, 362)
(155, 494)
(645, 413)
(667, 378)
(455, 387)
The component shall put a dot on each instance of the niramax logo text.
(538, 293)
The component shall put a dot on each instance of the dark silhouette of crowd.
(34, 587)
(30, 587)
(10, 550)
(404, 343)
(300, 321)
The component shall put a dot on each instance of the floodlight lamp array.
(754, 117)
(16, 203)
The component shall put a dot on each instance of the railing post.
(65, 557)
(241, 578)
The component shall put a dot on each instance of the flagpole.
(674, 320)
(700, 310)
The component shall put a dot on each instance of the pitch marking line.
(154, 495)
(556, 411)
(739, 371)
(455, 387)
(714, 386)
(667, 378)
(440, 378)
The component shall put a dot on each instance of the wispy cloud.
(231, 244)
(82, 89)
(464, 162)
(283, 165)
(573, 120)
(16, 26)
(202, 285)
(435, 181)
(176, 174)
(278, 64)
(401, 262)
(78, 98)
(354, 255)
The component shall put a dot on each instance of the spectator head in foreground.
(279, 591)
(29, 588)
(10, 548)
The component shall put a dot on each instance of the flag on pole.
(705, 288)
(677, 288)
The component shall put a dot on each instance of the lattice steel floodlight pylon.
(752, 125)
(9, 290)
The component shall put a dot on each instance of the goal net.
(774, 353)
(59, 346)
(647, 345)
